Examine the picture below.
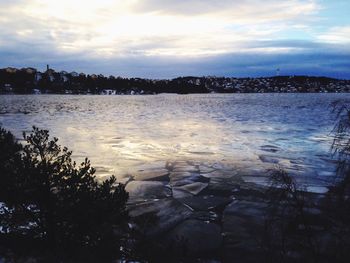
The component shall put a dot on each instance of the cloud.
(311, 59)
(129, 33)
(235, 9)
(336, 35)
(168, 38)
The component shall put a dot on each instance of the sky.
(168, 38)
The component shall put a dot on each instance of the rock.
(243, 223)
(269, 148)
(260, 180)
(268, 159)
(178, 176)
(147, 189)
(220, 174)
(205, 169)
(168, 213)
(195, 237)
(206, 216)
(222, 186)
(193, 188)
(184, 167)
(152, 175)
(250, 192)
(182, 182)
(183, 178)
(205, 203)
(156, 165)
(124, 180)
(179, 193)
(317, 189)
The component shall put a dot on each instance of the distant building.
(64, 76)
(50, 72)
(7, 88)
(74, 74)
(50, 75)
(108, 92)
(29, 70)
(38, 76)
(10, 70)
(36, 91)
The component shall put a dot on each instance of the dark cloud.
(318, 62)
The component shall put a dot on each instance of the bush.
(10, 161)
(46, 196)
(341, 149)
(288, 225)
(312, 227)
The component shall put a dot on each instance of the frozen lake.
(242, 133)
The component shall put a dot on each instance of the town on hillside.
(31, 81)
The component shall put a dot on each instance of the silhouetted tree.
(48, 197)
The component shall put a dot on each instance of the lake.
(132, 136)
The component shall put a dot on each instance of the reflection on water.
(242, 132)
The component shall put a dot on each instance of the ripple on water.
(220, 131)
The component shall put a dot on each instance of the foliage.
(10, 159)
(287, 220)
(341, 147)
(49, 197)
(22, 81)
(314, 227)
(338, 199)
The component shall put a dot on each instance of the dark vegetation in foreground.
(29, 80)
(53, 209)
(51, 206)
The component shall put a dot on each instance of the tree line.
(25, 81)
(29, 80)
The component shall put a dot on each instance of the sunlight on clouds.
(336, 35)
(78, 11)
(114, 28)
(246, 9)
(272, 50)
(25, 33)
(163, 38)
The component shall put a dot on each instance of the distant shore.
(32, 81)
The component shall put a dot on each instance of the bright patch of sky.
(167, 38)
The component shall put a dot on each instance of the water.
(244, 133)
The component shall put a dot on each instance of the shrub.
(48, 197)
(341, 149)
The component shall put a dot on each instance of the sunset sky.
(168, 38)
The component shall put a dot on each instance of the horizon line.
(179, 76)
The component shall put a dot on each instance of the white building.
(38, 76)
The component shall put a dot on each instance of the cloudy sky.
(168, 38)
